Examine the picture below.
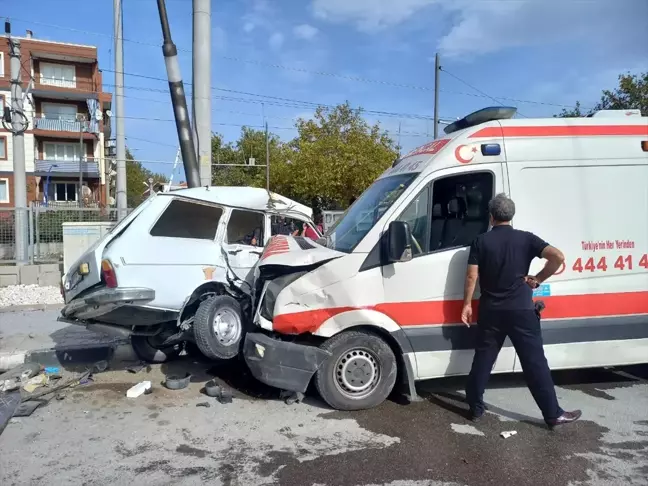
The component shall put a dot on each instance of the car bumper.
(281, 364)
(102, 301)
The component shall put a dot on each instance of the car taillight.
(108, 274)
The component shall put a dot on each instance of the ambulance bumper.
(282, 364)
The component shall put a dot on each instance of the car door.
(243, 240)
(427, 292)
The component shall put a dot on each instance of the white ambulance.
(377, 301)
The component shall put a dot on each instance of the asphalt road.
(96, 436)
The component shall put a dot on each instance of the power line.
(295, 69)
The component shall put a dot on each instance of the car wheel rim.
(357, 373)
(227, 327)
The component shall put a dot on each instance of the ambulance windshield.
(358, 220)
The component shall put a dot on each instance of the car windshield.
(358, 220)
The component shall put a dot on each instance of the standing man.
(501, 259)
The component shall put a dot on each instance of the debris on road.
(52, 370)
(174, 382)
(9, 385)
(25, 409)
(508, 433)
(214, 390)
(290, 397)
(139, 389)
(136, 368)
(203, 404)
(36, 382)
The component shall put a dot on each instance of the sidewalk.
(36, 336)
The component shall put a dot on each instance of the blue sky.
(378, 54)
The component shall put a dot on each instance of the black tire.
(146, 349)
(362, 351)
(225, 345)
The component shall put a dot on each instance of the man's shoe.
(565, 418)
(475, 415)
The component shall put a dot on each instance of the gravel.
(29, 295)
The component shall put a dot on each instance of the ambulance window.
(460, 209)
(245, 228)
(417, 216)
(281, 225)
(184, 219)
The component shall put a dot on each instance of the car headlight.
(272, 292)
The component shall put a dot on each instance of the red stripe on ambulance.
(563, 131)
(442, 312)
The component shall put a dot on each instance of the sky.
(271, 56)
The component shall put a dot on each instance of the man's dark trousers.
(523, 328)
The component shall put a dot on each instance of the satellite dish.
(111, 201)
(108, 113)
(98, 116)
(85, 190)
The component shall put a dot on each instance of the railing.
(63, 125)
(78, 84)
(89, 167)
(43, 227)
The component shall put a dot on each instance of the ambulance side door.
(427, 292)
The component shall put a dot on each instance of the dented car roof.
(252, 198)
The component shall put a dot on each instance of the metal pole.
(179, 101)
(81, 147)
(18, 127)
(437, 70)
(201, 87)
(267, 164)
(120, 132)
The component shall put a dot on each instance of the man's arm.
(555, 259)
(470, 284)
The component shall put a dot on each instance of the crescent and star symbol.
(462, 159)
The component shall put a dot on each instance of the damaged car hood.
(295, 251)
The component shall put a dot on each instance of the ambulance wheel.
(359, 374)
(148, 349)
(218, 327)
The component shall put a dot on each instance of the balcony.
(61, 124)
(66, 168)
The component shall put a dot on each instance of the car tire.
(146, 350)
(359, 374)
(218, 327)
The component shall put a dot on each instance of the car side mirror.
(399, 242)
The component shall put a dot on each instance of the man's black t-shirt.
(504, 255)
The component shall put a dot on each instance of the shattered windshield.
(358, 220)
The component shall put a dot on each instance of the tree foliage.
(137, 177)
(631, 94)
(333, 158)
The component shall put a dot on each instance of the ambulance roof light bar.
(482, 116)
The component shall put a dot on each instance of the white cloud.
(369, 15)
(305, 31)
(248, 27)
(276, 40)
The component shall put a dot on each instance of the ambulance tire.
(145, 348)
(373, 362)
(218, 327)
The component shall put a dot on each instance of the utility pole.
(179, 101)
(81, 151)
(18, 126)
(201, 87)
(267, 164)
(120, 135)
(437, 70)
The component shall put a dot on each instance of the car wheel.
(218, 327)
(148, 349)
(359, 374)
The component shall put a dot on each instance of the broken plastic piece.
(212, 389)
(508, 433)
(138, 389)
(203, 404)
(9, 385)
(52, 370)
(177, 382)
(35, 382)
(225, 396)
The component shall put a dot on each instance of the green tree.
(137, 177)
(631, 94)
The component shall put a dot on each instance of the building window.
(65, 191)
(184, 219)
(4, 191)
(61, 151)
(2, 60)
(55, 111)
(60, 75)
(3, 148)
(3, 100)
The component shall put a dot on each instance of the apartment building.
(69, 123)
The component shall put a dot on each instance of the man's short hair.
(501, 208)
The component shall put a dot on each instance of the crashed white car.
(178, 269)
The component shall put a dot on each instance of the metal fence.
(43, 227)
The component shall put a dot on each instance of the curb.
(71, 356)
(30, 307)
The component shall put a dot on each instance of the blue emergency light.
(482, 116)
(491, 149)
